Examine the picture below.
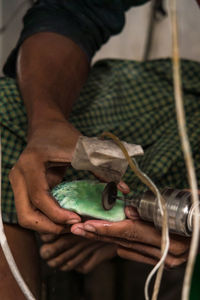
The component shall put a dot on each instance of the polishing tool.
(178, 202)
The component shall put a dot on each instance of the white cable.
(7, 252)
(166, 248)
(165, 232)
(155, 269)
(187, 154)
(161, 202)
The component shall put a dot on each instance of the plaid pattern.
(131, 99)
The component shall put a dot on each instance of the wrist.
(51, 127)
(44, 113)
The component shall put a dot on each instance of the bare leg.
(23, 246)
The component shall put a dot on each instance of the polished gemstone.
(84, 198)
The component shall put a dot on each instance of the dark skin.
(137, 240)
(49, 89)
(49, 82)
(68, 252)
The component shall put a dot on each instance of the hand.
(69, 252)
(136, 240)
(41, 166)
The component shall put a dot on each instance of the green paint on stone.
(84, 198)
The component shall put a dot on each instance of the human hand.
(41, 166)
(68, 252)
(136, 240)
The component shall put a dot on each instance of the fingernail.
(122, 185)
(73, 221)
(52, 264)
(131, 213)
(89, 228)
(78, 231)
(46, 254)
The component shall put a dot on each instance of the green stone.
(84, 198)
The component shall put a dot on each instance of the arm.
(51, 70)
(57, 41)
(49, 82)
(52, 56)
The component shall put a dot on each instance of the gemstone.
(84, 198)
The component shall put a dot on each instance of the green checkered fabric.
(131, 99)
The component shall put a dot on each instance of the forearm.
(51, 70)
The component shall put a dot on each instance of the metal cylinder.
(178, 207)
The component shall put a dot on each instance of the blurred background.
(131, 42)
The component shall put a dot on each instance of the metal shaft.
(180, 211)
